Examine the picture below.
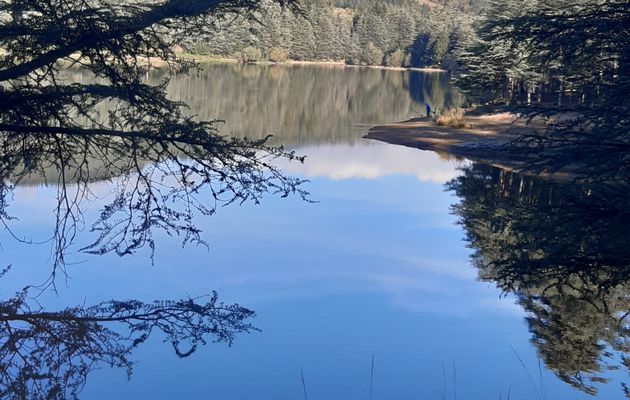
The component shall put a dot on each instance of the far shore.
(485, 141)
(327, 63)
(202, 59)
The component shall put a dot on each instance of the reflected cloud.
(435, 286)
(439, 267)
(373, 161)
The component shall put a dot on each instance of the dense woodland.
(363, 32)
(541, 57)
(568, 60)
(566, 52)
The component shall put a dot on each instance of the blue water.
(375, 270)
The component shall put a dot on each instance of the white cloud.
(371, 161)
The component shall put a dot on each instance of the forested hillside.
(568, 59)
(362, 32)
(544, 51)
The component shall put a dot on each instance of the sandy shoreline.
(154, 62)
(485, 142)
(339, 64)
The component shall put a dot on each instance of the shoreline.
(200, 59)
(329, 63)
(484, 142)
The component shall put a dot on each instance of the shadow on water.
(563, 250)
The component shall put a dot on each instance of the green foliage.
(373, 55)
(250, 54)
(551, 57)
(200, 48)
(277, 55)
(342, 30)
(496, 62)
(548, 51)
(303, 39)
(395, 59)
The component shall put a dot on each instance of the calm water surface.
(409, 260)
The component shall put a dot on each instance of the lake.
(406, 275)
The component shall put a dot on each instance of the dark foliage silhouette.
(168, 165)
(163, 165)
(567, 61)
(49, 355)
(156, 185)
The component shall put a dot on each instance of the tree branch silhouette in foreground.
(167, 166)
(163, 166)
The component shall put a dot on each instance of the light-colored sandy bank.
(486, 141)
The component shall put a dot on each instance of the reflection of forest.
(308, 104)
(163, 184)
(563, 250)
(299, 105)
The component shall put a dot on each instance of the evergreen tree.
(303, 44)
(340, 30)
(554, 57)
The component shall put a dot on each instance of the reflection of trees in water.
(162, 178)
(166, 169)
(563, 249)
(308, 105)
(49, 355)
(158, 184)
(435, 89)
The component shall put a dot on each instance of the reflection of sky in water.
(370, 160)
(376, 267)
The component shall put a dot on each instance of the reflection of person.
(428, 108)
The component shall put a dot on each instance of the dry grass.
(453, 118)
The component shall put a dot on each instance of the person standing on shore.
(428, 108)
